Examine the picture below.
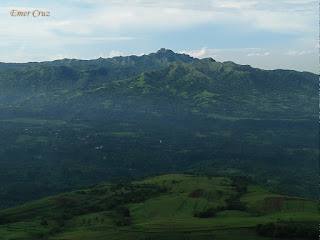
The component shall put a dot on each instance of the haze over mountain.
(68, 123)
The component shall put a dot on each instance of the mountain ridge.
(115, 60)
(163, 54)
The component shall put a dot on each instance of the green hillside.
(172, 206)
(70, 123)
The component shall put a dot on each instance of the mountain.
(204, 85)
(70, 123)
(174, 206)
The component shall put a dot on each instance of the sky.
(268, 34)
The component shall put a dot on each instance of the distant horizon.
(145, 54)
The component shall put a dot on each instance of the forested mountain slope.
(68, 123)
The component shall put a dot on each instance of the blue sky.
(268, 34)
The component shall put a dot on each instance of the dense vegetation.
(71, 123)
(288, 229)
(172, 207)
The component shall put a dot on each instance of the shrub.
(124, 221)
(211, 212)
(44, 222)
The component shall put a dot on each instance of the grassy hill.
(174, 206)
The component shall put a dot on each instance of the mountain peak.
(164, 50)
(168, 55)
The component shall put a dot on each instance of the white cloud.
(304, 52)
(291, 53)
(213, 53)
(197, 53)
(238, 4)
(118, 15)
(113, 17)
(271, 15)
(114, 53)
(258, 54)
